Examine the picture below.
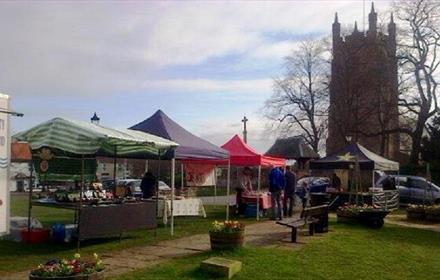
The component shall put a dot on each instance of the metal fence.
(387, 200)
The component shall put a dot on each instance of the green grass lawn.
(18, 256)
(347, 252)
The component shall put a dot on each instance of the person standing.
(303, 193)
(336, 182)
(245, 187)
(289, 191)
(276, 186)
(148, 185)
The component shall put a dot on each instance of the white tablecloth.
(183, 207)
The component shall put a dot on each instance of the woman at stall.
(148, 185)
(245, 187)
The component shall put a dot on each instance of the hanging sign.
(5, 151)
(199, 175)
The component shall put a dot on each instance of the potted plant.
(226, 235)
(432, 213)
(415, 212)
(73, 269)
(366, 214)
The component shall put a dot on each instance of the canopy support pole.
(182, 176)
(115, 151)
(78, 244)
(228, 185)
(157, 194)
(173, 171)
(30, 197)
(215, 184)
(258, 192)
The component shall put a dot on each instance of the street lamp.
(15, 114)
(95, 119)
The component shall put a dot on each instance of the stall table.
(182, 207)
(265, 201)
(108, 219)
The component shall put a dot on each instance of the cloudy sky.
(205, 64)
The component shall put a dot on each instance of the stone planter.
(373, 219)
(346, 219)
(226, 240)
(92, 276)
(432, 217)
(415, 215)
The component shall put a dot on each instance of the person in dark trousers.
(276, 187)
(289, 191)
(148, 185)
(336, 182)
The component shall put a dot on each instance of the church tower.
(363, 88)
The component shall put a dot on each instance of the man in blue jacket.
(276, 187)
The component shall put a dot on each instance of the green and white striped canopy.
(87, 138)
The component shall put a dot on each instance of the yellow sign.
(346, 157)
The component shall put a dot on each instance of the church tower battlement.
(363, 88)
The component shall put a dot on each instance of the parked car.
(317, 184)
(135, 186)
(414, 189)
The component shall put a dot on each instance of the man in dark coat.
(148, 185)
(289, 191)
(276, 186)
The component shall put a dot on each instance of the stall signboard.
(199, 175)
(5, 149)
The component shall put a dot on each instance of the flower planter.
(372, 218)
(91, 276)
(69, 269)
(433, 218)
(226, 240)
(346, 219)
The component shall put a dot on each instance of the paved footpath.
(264, 234)
(401, 220)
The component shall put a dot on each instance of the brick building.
(363, 89)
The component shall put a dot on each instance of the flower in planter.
(351, 210)
(71, 267)
(433, 210)
(415, 208)
(227, 226)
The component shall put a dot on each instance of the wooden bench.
(311, 216)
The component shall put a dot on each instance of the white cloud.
(220, 130)
(207, 85)
(62, 48)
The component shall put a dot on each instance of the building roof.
(292, 148)
(20, 152)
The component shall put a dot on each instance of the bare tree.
(419, 60)
(300, 99)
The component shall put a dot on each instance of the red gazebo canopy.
(243, 155)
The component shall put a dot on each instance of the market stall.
(192, 150)
(66, 150)
(243, 155)
(356, 167)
